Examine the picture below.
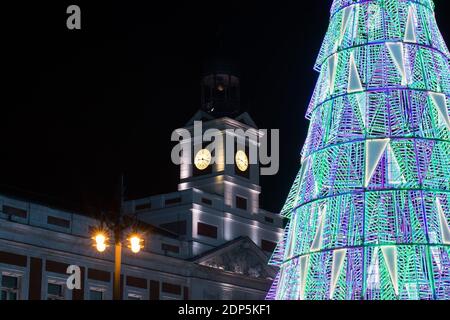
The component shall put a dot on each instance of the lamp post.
(117, 263)
(134, 240)
(119, 225)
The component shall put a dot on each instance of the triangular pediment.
(241, 256)
(246, 119)
(203, 116)
(200, 115)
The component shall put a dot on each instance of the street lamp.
(135, 242)
(100, 241)
(118, 224)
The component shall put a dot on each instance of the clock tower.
(227, 170)
(217, 201)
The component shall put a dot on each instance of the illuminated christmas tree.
(370, 208)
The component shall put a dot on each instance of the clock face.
(202, 159)
(241, 160)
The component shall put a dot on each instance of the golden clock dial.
(202, 159)
(241, 160)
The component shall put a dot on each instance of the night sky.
(79, 107)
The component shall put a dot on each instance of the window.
(11, 211)
(58, 222)
(206, 230)
(171, 288)
(134, 296)
(143, 206)
(178, 227)
(172, 201)
(268, 246)
(55, 291)
(268, 219)
(95, 294)
(170, 248)
(9, 288)
(241, 203)
(207, 201)
(136, 282)
(99, 275)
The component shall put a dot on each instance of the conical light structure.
(370, 208)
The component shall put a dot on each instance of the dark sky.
(79, 107)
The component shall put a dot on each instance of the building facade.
(208, 240)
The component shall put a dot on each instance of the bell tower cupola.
(220, 87)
